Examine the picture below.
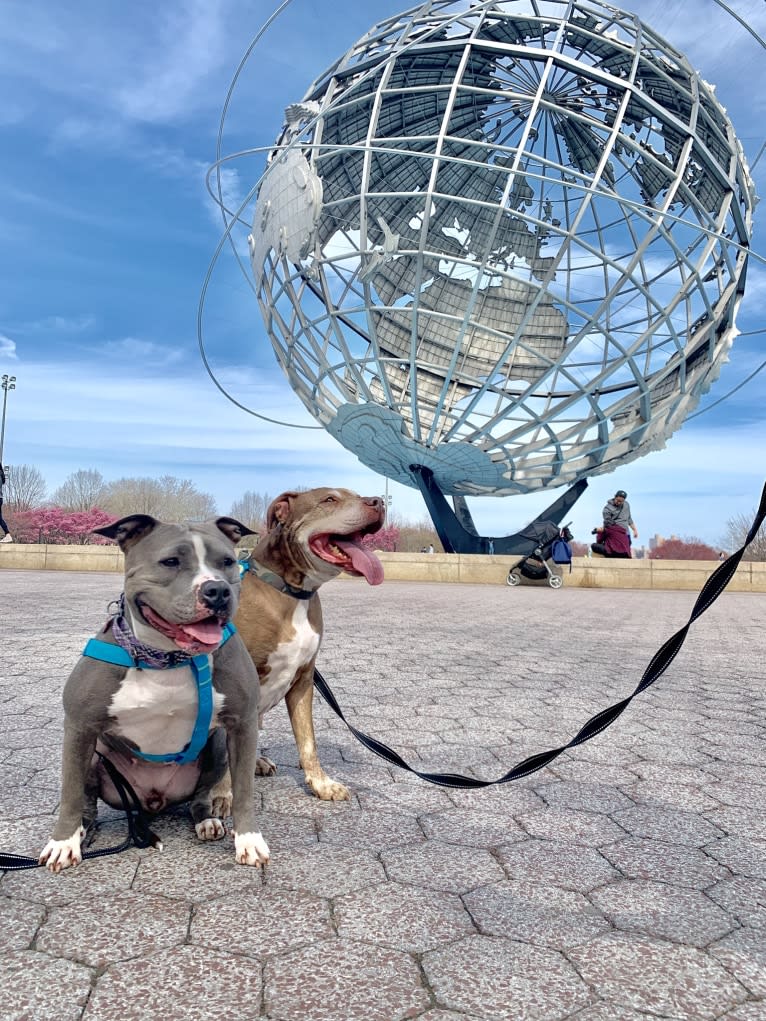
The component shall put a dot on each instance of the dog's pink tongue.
(206, 632)
(363, 560)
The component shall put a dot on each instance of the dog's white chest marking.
(157, 709)
(288, 657)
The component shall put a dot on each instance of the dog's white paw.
(251, 849)
(58, 855)
(327, 789)
(210, 829)
(264, 766)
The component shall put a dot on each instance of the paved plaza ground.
(626, 881)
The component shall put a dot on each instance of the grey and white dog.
(181, 590)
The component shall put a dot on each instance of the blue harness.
(200, 666)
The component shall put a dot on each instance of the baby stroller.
(535, 566)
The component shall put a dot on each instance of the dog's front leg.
(209, 807)
(64, 847)
(249, 846)
(300, 700)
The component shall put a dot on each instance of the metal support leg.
(457, 538)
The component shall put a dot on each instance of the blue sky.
(109, 117)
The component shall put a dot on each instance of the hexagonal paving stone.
(667, 824)
(743, 953)
(510, 799)
(741, 822)
(559, 862)
(589, 828)
(471, 827)
(679, 864)
(198, 872)
(742, 856)
(353, 981)
(325, 870)
(439, 866)
(742, 794)
(444, 1015)
(657, 977)
(747, 1012)
(569, 769)
(540, 915)
(611, 1012)
(26, 836)
(744, 898)
(669, 912)
(262, 922)
(19, 922)
(402, 917)
(671, 795)
(503, 980)
(95, 877)
(420, 798)
(38, 988)
(128, 925)
(583, 797)
(185, 982)
(372, 831)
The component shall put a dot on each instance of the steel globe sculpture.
(501, 246)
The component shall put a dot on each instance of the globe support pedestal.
(457, 531)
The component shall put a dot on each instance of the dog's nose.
(374, 501)
(216, 595)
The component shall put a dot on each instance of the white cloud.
(7, 347)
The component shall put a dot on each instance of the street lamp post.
(8, 383)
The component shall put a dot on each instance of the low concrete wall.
(21, 556)
(587, 572)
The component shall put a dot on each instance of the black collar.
(272, 578)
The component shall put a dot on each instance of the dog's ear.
(233, 530)
(128, 531)
(279, 510)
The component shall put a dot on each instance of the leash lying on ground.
(662, 659)
(139, 834)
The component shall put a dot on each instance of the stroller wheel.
(513, 578)
(555, 582)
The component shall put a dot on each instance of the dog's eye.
(329, 499)
(171, 562)
(229, 561)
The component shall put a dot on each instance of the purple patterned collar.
(156, 659)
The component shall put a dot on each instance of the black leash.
(661, 660)
(139, 833)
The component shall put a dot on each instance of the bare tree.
(25, 487)
(81, 491)
(736, 533)
(167, 498)
(251, 509)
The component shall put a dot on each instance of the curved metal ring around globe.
(509, 247)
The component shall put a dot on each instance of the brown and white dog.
(312, 536)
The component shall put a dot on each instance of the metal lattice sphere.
(505, 242)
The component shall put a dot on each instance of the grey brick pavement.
(626, 881)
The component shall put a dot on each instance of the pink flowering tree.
(386, 539)
(58, 526)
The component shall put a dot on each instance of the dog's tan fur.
(282, 633)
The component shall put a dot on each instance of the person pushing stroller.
(613, 538)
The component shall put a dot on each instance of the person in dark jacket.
(6, 531)
(613, 538)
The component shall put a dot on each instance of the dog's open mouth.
(348, 553)
(196, 636)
